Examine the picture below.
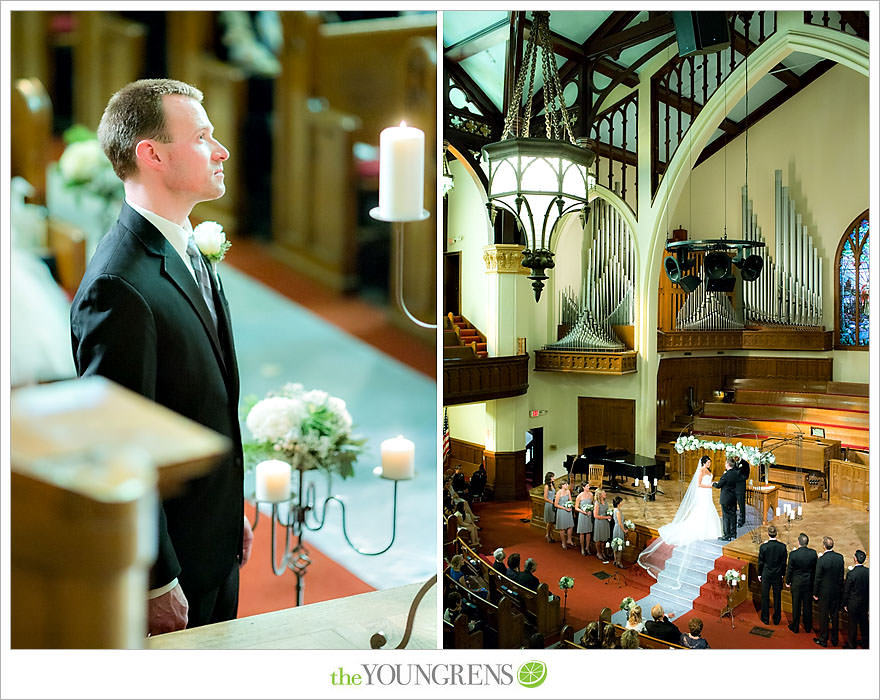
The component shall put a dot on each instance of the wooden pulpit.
(89, 460)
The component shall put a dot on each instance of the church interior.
(655, 248)
(299, 99)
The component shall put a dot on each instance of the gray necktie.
(202, 276)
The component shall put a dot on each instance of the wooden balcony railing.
(467, 381)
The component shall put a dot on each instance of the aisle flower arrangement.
(308, 428)
(627, 604)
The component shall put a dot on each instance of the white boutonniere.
(211, 240)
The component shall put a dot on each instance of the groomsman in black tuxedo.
(800, 576)
(771, 566)
(827, 590)
(727, 484)
(744, 470)
(151, 315)
(855, 601)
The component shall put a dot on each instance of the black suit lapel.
(173, 268)
(224, 322)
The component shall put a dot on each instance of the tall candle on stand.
(398, 458)
(401, 173)
(273, 480)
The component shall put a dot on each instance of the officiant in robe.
(151, 315)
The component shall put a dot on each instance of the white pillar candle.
(398, 458)
(401, 173)
(791, 514)
(635, 482)
(778, 511)
(655, 481)
(273, 480)
(800, 511)
(645, 479)
(720, 576)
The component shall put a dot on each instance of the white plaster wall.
(468, 422)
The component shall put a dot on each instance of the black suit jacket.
(801, 569)
(828, 584)
(139, 319)
(743, 470)
(727, 484)
(527, 579)
(771, 559)
(855, 589)
(663, 629)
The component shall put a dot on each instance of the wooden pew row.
(798, 385)
(805, 399)
(849, 437)
(791, 414)
(503, 624)
(646, 641)
(457, 636)
(537, 606)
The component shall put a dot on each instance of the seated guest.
(513, 566)
(634, 621)
(629, 639)
(455, 564)
(458, 501)
(609, 638)
(459, 482)
(527, 576)
(455, 606)
(661, 628)
(590, 637)
(693, 640)
(498, 564)
(465, 523)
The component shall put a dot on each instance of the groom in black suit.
(727, 484)
(150, 315)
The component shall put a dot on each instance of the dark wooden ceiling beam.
(691, 107)
(615, 22)
(480, 99)
(485, 39)
(773, 103)
(613, 44)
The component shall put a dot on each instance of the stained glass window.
(853, 305)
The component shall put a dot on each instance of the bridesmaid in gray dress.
(584, 506)
(564, 520)
(549, 509)
(601, 525)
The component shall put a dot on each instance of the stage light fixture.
(676, 266)
(717, 265)
(751, 267)
(690, 283)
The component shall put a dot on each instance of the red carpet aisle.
(502, 527)
(261, 591)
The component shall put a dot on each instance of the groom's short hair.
(137, 112)
(731, 461)
(771, 532)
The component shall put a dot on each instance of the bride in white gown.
(696, 519)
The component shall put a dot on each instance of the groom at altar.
(150, 315)
(727, 483)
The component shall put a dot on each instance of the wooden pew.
(798, 385)
(849, 437)
(457, 636)
(108, 52)
(504, 625)
(805, 399)
(30, 147)
(646, 641)
(802, 415)
(540, 611)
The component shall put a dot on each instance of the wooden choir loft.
(302, 124)
(619, 358)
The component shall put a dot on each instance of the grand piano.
(621, 468)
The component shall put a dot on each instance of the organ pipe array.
(707, 311)
(606, 296)
(789, 289)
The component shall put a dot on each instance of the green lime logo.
(531, 674)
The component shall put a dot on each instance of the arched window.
(851, 293)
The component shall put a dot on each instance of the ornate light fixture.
(538, 180)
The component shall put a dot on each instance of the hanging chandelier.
(538, 180)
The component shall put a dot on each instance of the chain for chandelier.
(539, 38)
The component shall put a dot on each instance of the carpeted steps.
(713, 596)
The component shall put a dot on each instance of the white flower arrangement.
(211, 240)
(566, 583)
(617, 544)
(732, 576)
(311, 429)
(84, 166)
(627, 604)
(752, 455)
(610, 511)
(629, 524)
(568, 504)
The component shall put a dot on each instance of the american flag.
(446, 448)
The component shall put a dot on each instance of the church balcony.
(484, 379)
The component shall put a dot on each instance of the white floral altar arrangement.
(618, 544)
(566, 583)
(310, 429)
(752, 455)
(732, 576)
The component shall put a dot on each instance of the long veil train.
(681, 532)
